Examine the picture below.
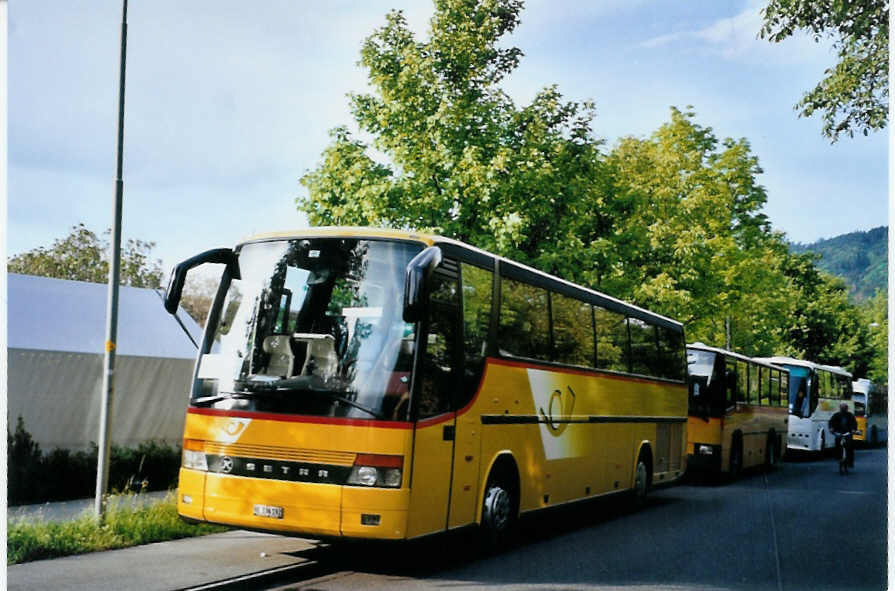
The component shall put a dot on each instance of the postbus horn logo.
(559, 406)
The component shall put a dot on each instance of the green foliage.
(123, 527)
(464, 161)
(673, 222)
(822, 325)
(694, 244)
(82, 256)
(876, 317)
(36, 477)
(860, 258)
(853, 96)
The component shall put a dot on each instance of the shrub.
(35, 477)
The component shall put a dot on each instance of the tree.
(463, 160)
(854, 95)
(876, 318)
(82, 256)
(822, 325)
(693, 243)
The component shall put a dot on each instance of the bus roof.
(756, 360)
(432, 240)
(808, 364)
(863, 386)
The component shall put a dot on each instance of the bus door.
(438, 371)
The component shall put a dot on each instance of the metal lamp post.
(108, 392)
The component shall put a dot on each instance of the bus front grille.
(311, 456)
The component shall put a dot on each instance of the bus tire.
(642, 478)
(736, 456)
(499, 509)
(874, 436)
(770, 454)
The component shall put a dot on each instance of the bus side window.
(742, 381)
(814, 392)
(573, 331)
(730, 378)
(845, 388)
(784, 388)
(773, 387)
(476, 319)
(612, 340)
(672, 354)
(644, 347)
(440, 361)
(524, 328)
(752, 396)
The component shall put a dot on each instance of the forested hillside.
(860, 258)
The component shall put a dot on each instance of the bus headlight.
(363, 475)
(194, 455)
(376, 470)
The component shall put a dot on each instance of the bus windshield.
(706, 370)
(799, 387)
(312, 327)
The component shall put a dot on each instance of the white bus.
(815, 392)
(870, 411)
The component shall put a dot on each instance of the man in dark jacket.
(844, 422)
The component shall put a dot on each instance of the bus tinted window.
(573, 331)
(844, 383)
(671, 354)
(763, 397)
(730, 381)
(476, 319)
(784, 388)
(524, 320)
(742, 381)
(752, 394)
(774, 384)
(612, 340)
(643, 346)
(439, 363)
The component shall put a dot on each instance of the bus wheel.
(874, 436)
(641, 480)
(497, 513)
(736, 457)
(770, 456)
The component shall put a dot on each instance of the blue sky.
(229, 103)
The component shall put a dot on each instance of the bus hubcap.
(497, 508)
(640, 480)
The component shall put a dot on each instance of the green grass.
(29, 540)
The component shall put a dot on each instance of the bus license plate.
(268, 511)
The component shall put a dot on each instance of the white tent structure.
(55, 339)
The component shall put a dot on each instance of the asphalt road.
(801, 526)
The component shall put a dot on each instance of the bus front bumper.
(300, 508)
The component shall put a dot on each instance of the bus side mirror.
(416, 277)
(224, 256)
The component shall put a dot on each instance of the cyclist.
(844, 424)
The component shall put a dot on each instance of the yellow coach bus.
(870, 412)
(364, 383)
(738, 411)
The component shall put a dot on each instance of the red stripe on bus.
(248, 414)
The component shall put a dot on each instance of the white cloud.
(736, 38)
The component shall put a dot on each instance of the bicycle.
(843, 442)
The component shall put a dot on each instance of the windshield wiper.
(302, 384)
(209, 400)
